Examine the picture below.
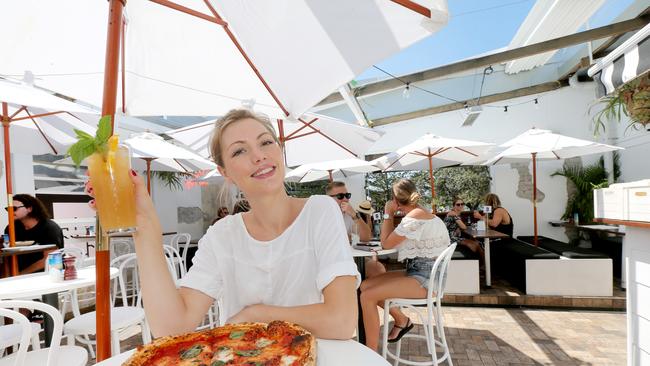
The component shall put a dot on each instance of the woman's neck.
(29, 222)
(272, 213)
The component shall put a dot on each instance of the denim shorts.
(420, 269)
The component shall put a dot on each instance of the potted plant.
(632, 100)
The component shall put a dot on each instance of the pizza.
(252, 344)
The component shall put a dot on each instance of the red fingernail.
(92, 202)
(133, 173)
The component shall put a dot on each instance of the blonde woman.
(419, 238)
(285, 259)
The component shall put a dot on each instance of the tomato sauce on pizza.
(253, 344)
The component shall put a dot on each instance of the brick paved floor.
(514, 336)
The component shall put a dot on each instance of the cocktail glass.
(113, 189)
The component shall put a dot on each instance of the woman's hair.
(405, 192)
(241, 206)
(456, 199)
(228, 119)
(39, 212)
(492, 200)
(225, 197)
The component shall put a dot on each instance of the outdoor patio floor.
(519, 336)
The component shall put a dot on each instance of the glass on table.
(113, 189)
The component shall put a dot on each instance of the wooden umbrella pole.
(433, 189)
(535, 197)
(330, 173)
(6, 120)
(111, 72)
(148, 160)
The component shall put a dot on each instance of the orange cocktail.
(113, 189)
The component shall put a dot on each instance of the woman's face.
(252, 159)
(458, 206)
(20, 211)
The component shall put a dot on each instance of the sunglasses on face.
(340, 196)
(15, 208)
(459, 204)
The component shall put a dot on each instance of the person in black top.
(32, 222)
(501, 220)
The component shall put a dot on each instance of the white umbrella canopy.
(536, 144)
(333, 169)
(318, 138)
(180, 64)
(431, 152)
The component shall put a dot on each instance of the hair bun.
(415, 197)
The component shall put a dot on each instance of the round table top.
(37, 284)
(330, 353)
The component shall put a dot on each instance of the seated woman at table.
(455, 224)
(373, 265)
(285, 259)
(32, 222)
(501, 220)
(419, 238)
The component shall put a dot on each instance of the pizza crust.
(144, 354)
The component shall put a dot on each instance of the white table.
(486, 235)
(329, 353)
(360, 259)
(40, 284)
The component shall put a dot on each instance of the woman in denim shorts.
(419, 238)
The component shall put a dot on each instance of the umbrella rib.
(465, 151)
(555, 155)
(188, 11)
(303, 135)
(440, 151)
(16, 113)
(329, 138)
(414, 7)
(243, 53)
(393, 163)
(37, 115)
(305, 125)
(181, 165)
(41, 132)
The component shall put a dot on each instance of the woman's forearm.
(159, 293)
(387, 228)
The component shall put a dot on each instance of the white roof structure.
(549, 19)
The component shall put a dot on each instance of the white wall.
(564, 111)
(167, 203)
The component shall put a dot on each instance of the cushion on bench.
(563, 249)
(508, 259)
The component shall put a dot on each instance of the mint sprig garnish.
(88, 145)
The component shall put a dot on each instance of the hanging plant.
(631, 100)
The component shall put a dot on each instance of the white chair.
(10, 336)
(181, 242)
(122, 317)
(55, 355)
(434, 313)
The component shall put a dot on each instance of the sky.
(475, 27)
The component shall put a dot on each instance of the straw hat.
(365, 207)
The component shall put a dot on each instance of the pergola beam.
(535, 89)
(521, 52)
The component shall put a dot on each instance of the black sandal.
(405, 329)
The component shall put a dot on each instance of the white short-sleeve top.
(289, 270)
(424, 238)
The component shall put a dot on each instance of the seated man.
(352, 219)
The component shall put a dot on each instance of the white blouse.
(424, 238)
(290, 270)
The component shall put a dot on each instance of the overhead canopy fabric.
(178, 64)
(626, 62)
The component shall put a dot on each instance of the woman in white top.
(286, 259)
(420, 237)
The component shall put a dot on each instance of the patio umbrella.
(329, 170)
(310, 139)
(212, 55)
(434, 151)
(219, 69)
(38, 130)
(536, 144)
(149, 147)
